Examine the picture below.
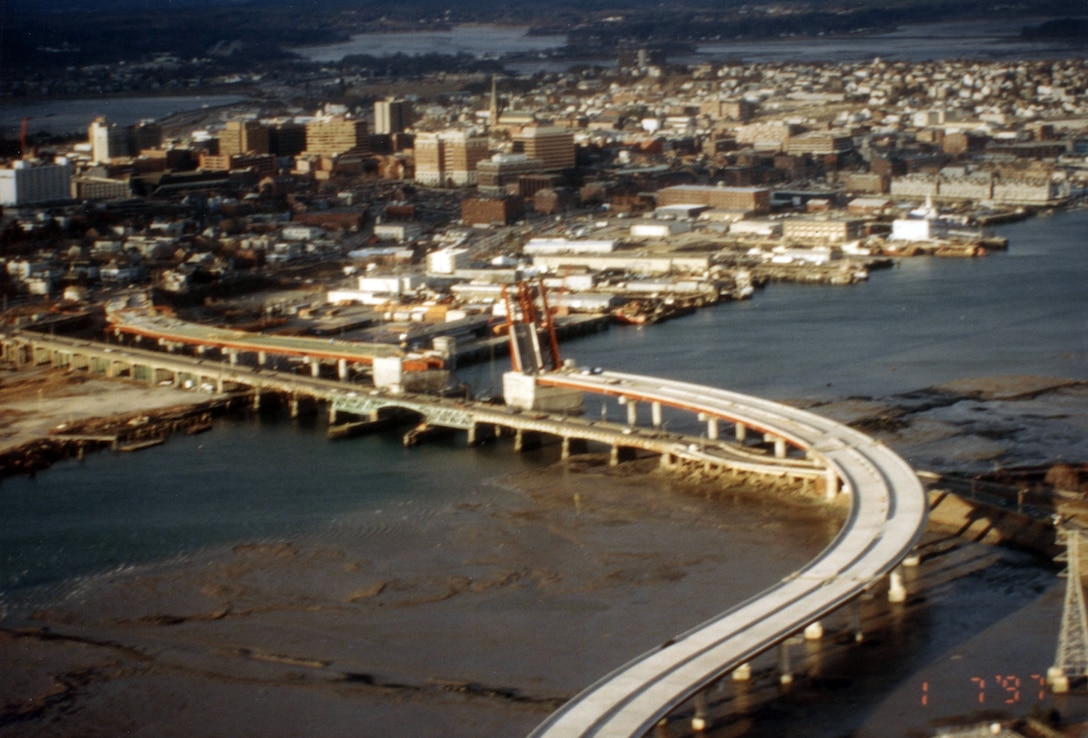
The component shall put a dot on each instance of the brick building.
(449, 157)
(489, 210)
(553, 146)
(336, 134)
(755, 200)
(243, 137)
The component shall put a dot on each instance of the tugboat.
(645, 312)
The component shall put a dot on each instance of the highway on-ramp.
(888, 511)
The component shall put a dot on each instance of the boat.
(645, 312)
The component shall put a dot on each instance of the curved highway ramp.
(887, 515)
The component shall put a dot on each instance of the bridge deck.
(888, 513)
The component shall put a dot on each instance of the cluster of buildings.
(798, 154)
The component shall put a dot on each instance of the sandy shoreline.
(485, 620)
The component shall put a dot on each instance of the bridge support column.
(315, 367)
(780, 448)
(712, 429)
(332, 414)
(525, 440)
(743, 672)
(741, 432)
(256, 399)
(262, 358)
(897, 592)
(655, 414)
(632, 410)
(913, 560)
(699, 721)
(785, 672)
(814, 631)
(574, 446)
(342, 369)
(477, 434)
(832, 482)
(564, 447)
(855, 620)
(233, 354)
(294, 406)
(614, 456)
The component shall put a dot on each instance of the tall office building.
(449, 157)
(392, 116)
(336, 134)
(551, 145)
(147, 134)
(243, 137)
(28, 183)
(286, 138)
(108, 140)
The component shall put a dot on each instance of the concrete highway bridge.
(887, 502)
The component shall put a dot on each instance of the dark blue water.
(926, 322)
(248, 479)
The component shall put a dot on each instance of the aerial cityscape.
(422, 370)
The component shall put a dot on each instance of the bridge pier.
(832, 483)
(256, 399)
(632, 410)
(342, 369)
(233, 356)
(814, 631)
(785, 672)
(315, 368)
(712, 429)
(897, 592)
(332, 414)
(655, 414)
(572, 446)
(742, 673)
(525, 440)
(478, 434)
(855, 620)
(262, 358)
(698, 720)
(741, 432)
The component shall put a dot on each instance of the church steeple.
(494, 118)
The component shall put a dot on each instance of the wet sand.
(36, 403)
(483, 619)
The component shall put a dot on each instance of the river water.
(979, 39)
(926, 322)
